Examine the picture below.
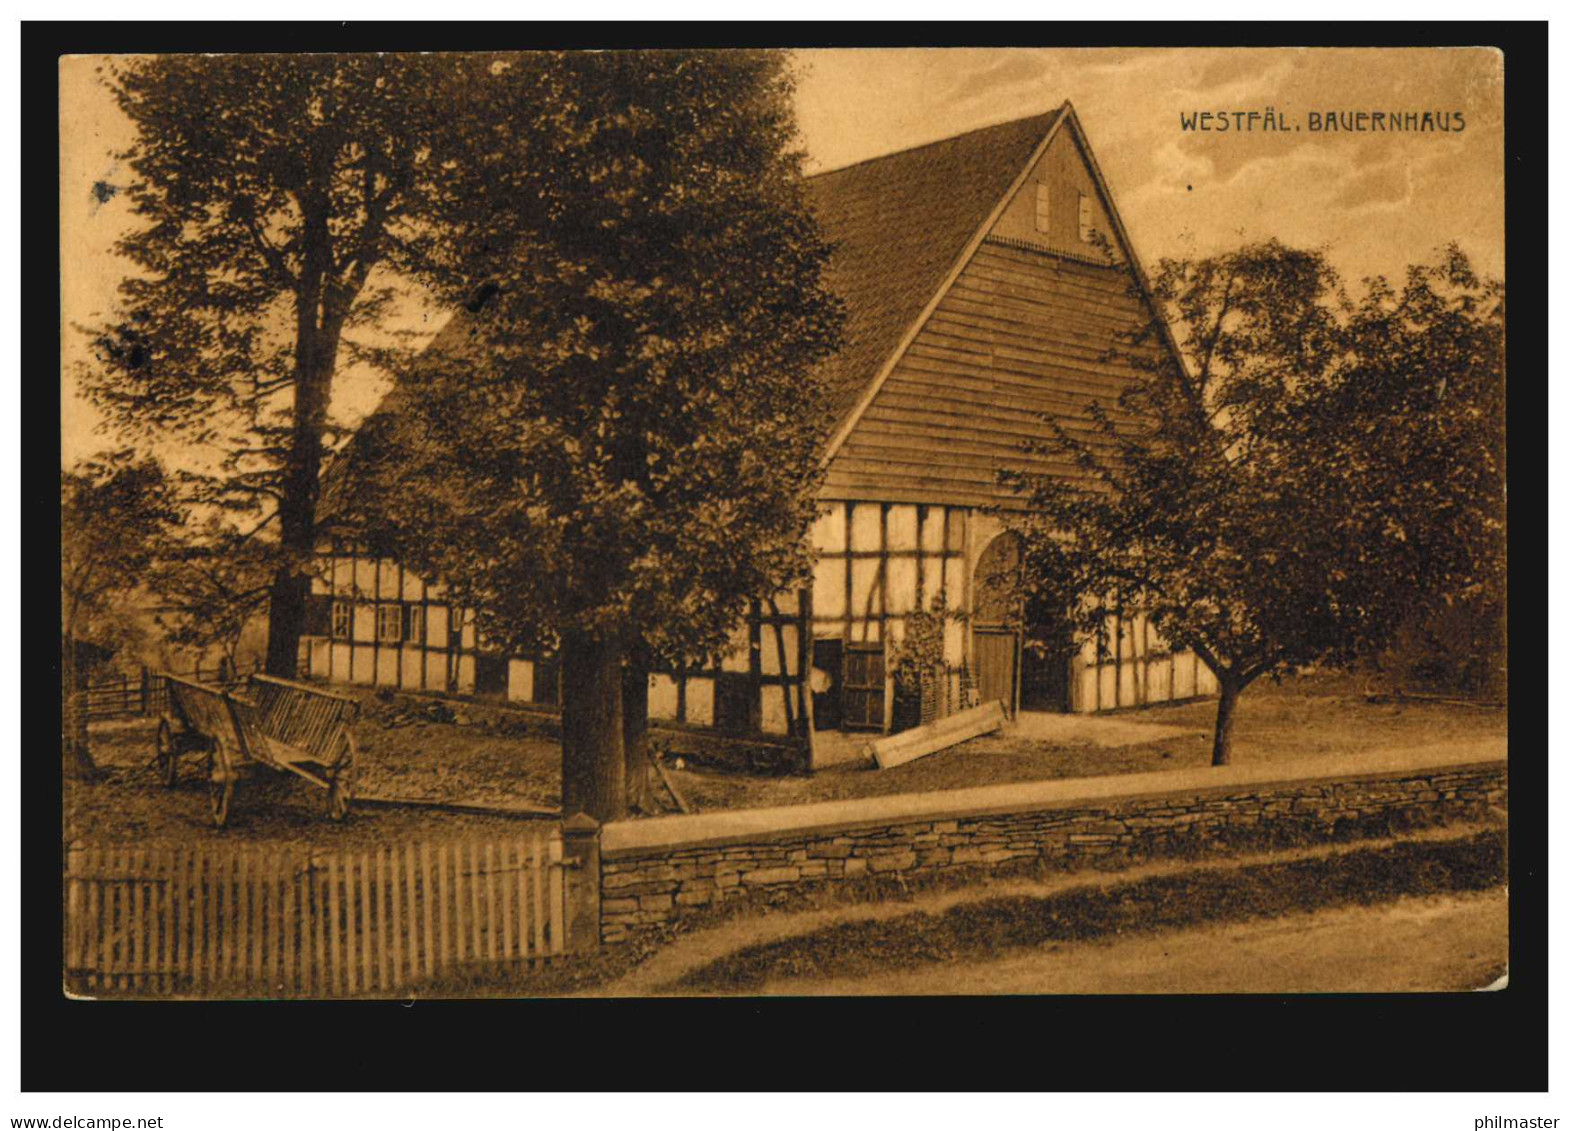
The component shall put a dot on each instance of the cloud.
(1013, 69)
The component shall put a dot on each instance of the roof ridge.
(1044, 114)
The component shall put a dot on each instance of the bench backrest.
(299, 715)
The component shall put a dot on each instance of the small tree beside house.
(1314, 473)
(115, 511)
(211, 585)
(614, 449)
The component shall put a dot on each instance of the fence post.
(580, 854)
(146, 692)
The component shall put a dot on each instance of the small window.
(1042, 207)
(1084, 218)
(414, 624)
(341, 617)
(389, 623)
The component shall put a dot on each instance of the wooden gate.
(228, 921)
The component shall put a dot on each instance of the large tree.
(115, 512)
(1305, 473)
(280, 202)
(620, 449)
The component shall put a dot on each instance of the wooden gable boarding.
(1020, 328)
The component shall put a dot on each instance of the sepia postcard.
(753, 522)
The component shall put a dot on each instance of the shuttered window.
(865, 674)
(1042, 207)
(414, 624)
(1084, 218)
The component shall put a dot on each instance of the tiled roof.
(897, 225)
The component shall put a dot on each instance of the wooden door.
(864, 686)
(996, 657)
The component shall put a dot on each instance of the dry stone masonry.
(655, 870)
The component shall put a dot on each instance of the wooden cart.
(276, 723)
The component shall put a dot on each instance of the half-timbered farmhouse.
(985, 277)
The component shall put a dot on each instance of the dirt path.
(1422, 943)
(699, 949)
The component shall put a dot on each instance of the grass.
(423, 747)
(985, 928)
(1191, 883)
(1299, 718)
(128, 805)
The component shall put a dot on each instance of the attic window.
(1042, 207)
(1084, 218)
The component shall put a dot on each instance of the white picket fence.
(233, 921)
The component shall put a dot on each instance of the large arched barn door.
(996, 623)
(1030, 677)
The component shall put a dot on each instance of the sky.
(1375, 201)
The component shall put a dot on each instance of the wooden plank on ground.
(921, 741)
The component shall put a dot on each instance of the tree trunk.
(634, 726)
(320, 310)
(1229, 692)
(593, 762)
(285, 622)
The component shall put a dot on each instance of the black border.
(1424, 1042)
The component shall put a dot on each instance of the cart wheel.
(168, 762)
(220, 787)
(341, 792)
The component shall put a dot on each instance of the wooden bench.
(278, 723)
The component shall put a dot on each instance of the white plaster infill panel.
(638, 838)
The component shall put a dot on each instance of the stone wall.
(654, 870)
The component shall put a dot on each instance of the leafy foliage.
(115, 512)
(914, 660)
(1300, 476)
(211, 584)
(622, 440)
(614, 448)
(282, 199)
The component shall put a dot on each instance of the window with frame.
(389, 623)
(1042, 207)
(342, 617)
(1085, 219)
(414, 624)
